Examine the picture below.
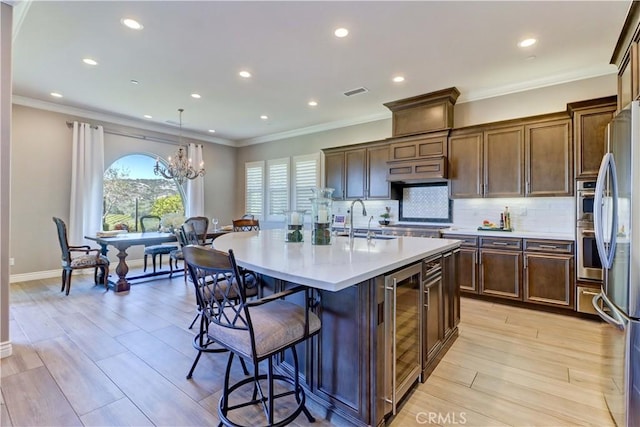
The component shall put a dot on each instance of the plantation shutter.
(306, 176)
(254, 188)
(277, 187)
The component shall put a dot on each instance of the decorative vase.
(294, 225)
(321, 215)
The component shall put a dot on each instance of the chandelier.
(179, 167)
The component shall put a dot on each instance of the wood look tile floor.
(97, 358)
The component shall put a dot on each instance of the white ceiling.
(290, 49)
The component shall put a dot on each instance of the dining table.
(123, 241)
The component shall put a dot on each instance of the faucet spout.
(364, 213)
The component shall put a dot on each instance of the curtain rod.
(132, 135)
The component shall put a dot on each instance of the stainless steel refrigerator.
(617, 230)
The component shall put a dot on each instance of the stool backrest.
(219, 286)
(246, 225)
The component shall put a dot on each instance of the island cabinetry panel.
(549, 273)
(549, 159)
(500, 270)
(590, 120)
(358, 172)
(433, 311)
(451, 294)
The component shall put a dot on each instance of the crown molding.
(314, 129)
(581, 74)
(117, 120)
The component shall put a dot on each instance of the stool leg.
(270, 380)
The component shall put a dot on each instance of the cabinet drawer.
(417, 169)
(416, 148)
(467, 241)
(549, 246)
(501, 243)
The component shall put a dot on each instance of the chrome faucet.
(364, 213)
(369, 233)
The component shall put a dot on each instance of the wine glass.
(215, 224)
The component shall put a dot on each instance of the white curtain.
(87, 173)
(195, 187)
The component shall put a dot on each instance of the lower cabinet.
(432, 312)
(549, 273)
(500, 267)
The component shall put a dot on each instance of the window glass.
(132, 190)
(254, 191)
(306, 176)
(277, 188)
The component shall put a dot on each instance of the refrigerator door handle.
(606, 254)
(617, 320)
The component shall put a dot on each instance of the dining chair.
(252, 330)
(201, 226)
(176, 255)
(152, 223)
(91, 258)
(246, 225)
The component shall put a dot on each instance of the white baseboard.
(48, 274)
(5, 349)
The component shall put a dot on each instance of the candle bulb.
(295, 218)
(323, 216)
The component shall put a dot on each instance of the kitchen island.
(380, 304)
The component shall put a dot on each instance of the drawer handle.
(590, 293)
(548, 247)
(500, 243)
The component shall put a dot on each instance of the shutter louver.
(305, 178)
(254, 193)
(278, 187)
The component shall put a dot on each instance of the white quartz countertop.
(329, 267)
(516, 233)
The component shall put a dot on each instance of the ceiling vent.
(356, 91)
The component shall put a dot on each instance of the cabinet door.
(432, 314)
(465, 166)
(549, 160)
(589, 135)
(356, 173)
(501, 273)
(467, 270)
(451, 292)
(503, 156)
(548, 279)
(377, 185)
(334, 173)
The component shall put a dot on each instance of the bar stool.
(254, 331)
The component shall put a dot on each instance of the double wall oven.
(588, 265)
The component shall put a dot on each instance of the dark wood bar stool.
(254, 331)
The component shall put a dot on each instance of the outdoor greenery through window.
(131, 190)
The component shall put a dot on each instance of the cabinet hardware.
(590, 293)
(528, 187)
(500, 243)
(548, 247)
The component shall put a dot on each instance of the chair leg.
(159, 265)
(69, 282)
(145, 262)
(296, 384)
(170, 266)
(194, 320)
(270, 381)
(64, 279)
(105, 277)
(153, 259)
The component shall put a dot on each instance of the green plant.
(387, 213)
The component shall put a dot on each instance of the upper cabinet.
(358, 172)
(590, 120)
(423, 113)
(420, 157)
(625, 57)
(549, 158)
(529, 157)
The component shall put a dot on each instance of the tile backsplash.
(546, 214)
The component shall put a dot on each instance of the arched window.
(132, 190)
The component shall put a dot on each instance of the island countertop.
(329, 267)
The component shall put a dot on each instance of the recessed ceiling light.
(313, 103)
(90, 61)
(263, 117)
(398, 79)
(134, 82)
(131, 23)
(341, 32)
(196, 95)
(147, 116)
(527, 42)
(212, 130)
(56, 95)
(244, 74)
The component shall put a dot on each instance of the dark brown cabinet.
(590, 120)
(549, 159)
(503, 159)
(465, 165)
(549, 273)
(500, 267)
(433, 307)
(451, 294)
(466, 265)
(418, 157)
(359, 172)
